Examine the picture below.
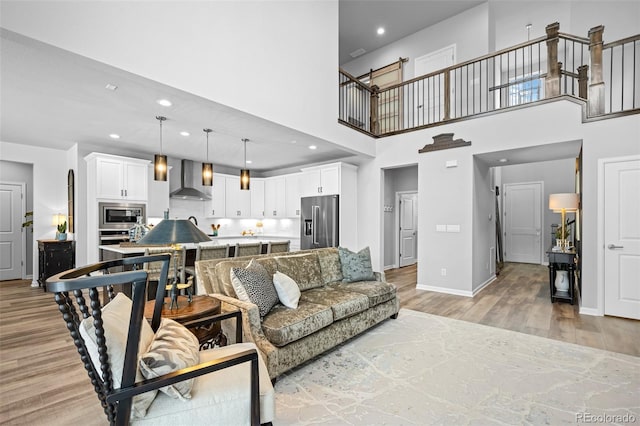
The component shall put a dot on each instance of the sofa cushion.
(222, 272)
(330, 265)
(282, 325)
(342, 303)
(304, 269)
(356, 266)
(256, 285)
(377, 291)
(288, 290)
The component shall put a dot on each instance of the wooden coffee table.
(200, 306)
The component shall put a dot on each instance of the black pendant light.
(245, 177)
(159, 160)
(207, 168)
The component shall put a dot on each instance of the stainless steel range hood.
(186, 192)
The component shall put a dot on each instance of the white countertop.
(264, 239)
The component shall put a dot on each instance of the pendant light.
(207, 168)
(159, 160)
(244, 173)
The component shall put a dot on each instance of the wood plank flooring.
(519, 300)
(42, 381)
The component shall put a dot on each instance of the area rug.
(424, 369)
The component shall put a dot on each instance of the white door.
(523, 222)
(408, 215)
(429, 94)
(622, 239)
(10, 231)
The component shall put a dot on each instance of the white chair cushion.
(222, 397)
(115, 319)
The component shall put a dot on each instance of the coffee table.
(200, 307)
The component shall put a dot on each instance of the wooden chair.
(248, 249)
(278, 246)
(231, 384)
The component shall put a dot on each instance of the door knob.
(613, 247)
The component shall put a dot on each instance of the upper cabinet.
(238, 201)
(274, 197)
(218, 205)
(257, 198)
(118, 178)
(292, 194)
(321, 180)
(158, 202)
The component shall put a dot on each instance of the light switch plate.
(453, 228)
(441, 228)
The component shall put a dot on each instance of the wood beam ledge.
(444, 141)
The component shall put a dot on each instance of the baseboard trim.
(384, 268)
(483, 285)
(35, 283)
(446, 290)
(590, 311)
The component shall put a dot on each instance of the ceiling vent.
(357, 53)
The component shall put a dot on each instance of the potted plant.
(62, 231)
(562, 240)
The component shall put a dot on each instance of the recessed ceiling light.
(184, 133)
(110, 86)
(503, 160)
(164, 102)
(249, 161)
(312, 147)
(114, 136)
(380, 30)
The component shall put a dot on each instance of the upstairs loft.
(603, 77)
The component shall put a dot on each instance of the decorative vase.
(61, 236)
(562, 281)
(138, 230)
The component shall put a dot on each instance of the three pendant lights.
(160, 163)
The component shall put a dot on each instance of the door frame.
(600, 241)
(396, 231)
(504, 221)
(23, 235)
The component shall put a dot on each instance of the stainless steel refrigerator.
(319, 222)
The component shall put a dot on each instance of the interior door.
(10, 231)
(429, 107)
(389, 101)
(622, 238)
(523, 222)
(408, 215)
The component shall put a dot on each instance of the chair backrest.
(208, 251)
(176, 266)
(278, 246)
(76, 309)
(248, 249)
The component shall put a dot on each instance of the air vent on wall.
(357, 53)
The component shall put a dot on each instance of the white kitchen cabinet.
(292, 194)
(257, 198)
(238, 201)
(274, 197)
(119, 178)
(218, 206)
(158, 195)
(321, 180)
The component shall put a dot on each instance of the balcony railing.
(550, 66)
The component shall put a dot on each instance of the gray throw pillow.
(356, 266)
(258, 286)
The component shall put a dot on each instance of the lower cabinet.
(54, 257)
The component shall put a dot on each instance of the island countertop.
(232, 241)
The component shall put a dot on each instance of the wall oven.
(116, 219)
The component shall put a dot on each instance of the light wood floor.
(519, 300)
(42, 381)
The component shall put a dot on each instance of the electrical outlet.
(443, 272)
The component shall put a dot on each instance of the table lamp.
(170, 232)
(563, 203)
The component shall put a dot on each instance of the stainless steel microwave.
(120, 215)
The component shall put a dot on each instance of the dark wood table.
(562, 260)
(200, 307)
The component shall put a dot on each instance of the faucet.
(195, 221)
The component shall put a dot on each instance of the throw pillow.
(174, 347)
(356, 266)
(288, 290)
(115, 321)
(304, 269)
(257, 284)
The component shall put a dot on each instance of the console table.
(562, 260)
(54, 257)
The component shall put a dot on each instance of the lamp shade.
(567, 201)
(174, 231)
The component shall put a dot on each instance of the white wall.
(484, 227)
(50, 167)
(558, 176)
(22, 173)
(274, 59)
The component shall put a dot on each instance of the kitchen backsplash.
(182, 209)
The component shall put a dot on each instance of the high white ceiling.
(54, 98)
